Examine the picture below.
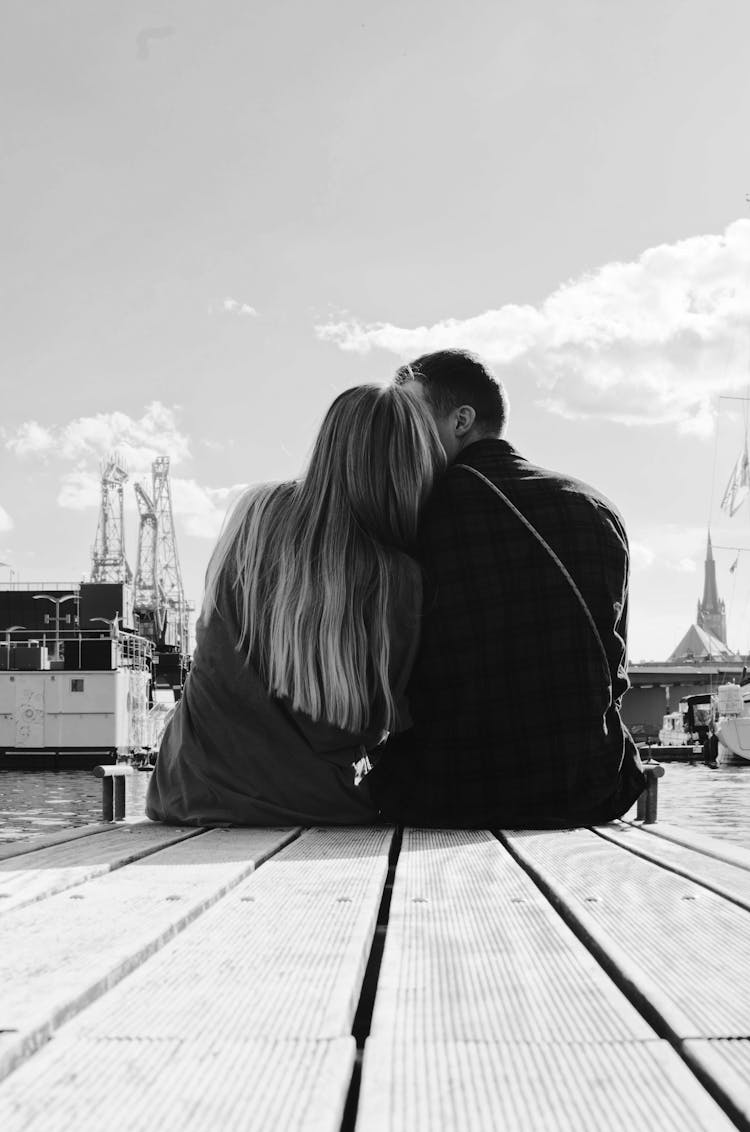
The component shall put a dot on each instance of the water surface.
(44, 801)
(714, 802)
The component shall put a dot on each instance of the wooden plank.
(475, 952)
(59, 955)
(282, 955)
(262, 1086)
(727, 880)
(662, 935)
(490, 1013)
(277, 964)
(43, 872)
(531, 1087)
(45, 840)
(728, 1064)
(727, 851)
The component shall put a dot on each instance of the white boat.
(673, 733)
(733, 729)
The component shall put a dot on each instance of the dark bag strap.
(563, 570)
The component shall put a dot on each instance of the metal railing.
(25, 587)
(132, 650)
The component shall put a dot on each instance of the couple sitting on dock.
(425, 628)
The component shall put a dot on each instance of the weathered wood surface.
(728, 1063)
(44, 872)
(678, 946)
(474, 952)
(490, 1012)
(721, 876)
(34, 841)
(558, 980)
(708, 846)
(277, 965)
(254, 1086)
(60, 954)
(668, 936)
(532, 1087)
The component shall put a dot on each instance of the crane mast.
(108, 561)
(159, 598)
(149, 597)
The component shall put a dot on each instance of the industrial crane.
(159, 597)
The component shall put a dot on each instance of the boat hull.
(735, 734)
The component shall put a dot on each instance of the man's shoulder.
(526, 483)
(579, 489)
(507, 463)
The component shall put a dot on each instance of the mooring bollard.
(113, 789)
(646, 811)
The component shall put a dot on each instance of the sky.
(216, 216)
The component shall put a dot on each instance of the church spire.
(710, 590)
(711, 613)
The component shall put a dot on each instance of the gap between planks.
(637, 979)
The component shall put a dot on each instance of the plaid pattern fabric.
(515, 719)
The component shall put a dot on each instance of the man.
(517, 685)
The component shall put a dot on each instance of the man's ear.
(465, 418)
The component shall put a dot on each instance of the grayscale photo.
(375, 566)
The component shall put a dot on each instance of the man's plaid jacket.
(515, 718)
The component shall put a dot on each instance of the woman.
(308, 629)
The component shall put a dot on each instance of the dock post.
(119, 798)
(647, 802)
(113, 790)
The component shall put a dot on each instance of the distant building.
(706, 639)
(711, 612)
(700, 662)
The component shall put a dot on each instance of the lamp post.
(8, 631)
(10, 570)
(57, 602)
(114, 625)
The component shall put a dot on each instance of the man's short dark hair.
(457, 377)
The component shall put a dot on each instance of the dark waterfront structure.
(656, 689)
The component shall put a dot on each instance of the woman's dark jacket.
(232, 753)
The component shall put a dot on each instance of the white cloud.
(671, 547)
(89, 440)
(641, 556)
(79, 490)
(138, 440)
(202, 509)
(6, 523)
(31, 439)
(642, 343)
(233, 306)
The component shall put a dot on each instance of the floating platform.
(670, 754)
(374, 979)
(65, 759)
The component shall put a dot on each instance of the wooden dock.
(375, 979)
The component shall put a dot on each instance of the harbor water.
(714, 802)
(45, 801)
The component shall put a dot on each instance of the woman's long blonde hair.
(314, 563)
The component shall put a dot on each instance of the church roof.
(699, 644)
